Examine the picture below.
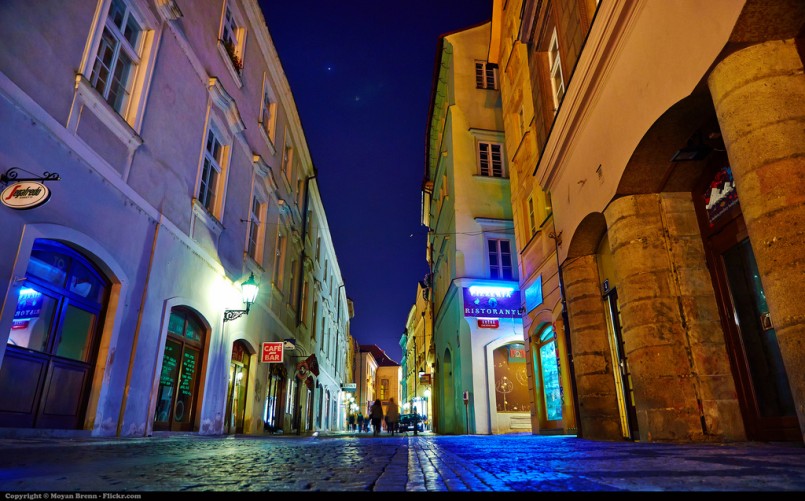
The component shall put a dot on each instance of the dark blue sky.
(361, 72)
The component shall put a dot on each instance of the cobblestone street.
(194, 463)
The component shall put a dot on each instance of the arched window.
(46, 376)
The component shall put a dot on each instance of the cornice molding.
(226, 103)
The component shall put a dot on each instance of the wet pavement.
(363, 463)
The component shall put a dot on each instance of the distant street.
(426, 462)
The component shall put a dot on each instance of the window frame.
(124, 126)
(279, 260)
(255, 235)
(499, 254)
(222, 168)
(233, 53)
(555, 70)
(484, 151)
(484, 72)
(122, 47)
(268, 106)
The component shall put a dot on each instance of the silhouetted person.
(392, 416)
(376, 415)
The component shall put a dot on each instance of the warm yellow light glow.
(249, 289)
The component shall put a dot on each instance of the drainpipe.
(338, 327)
(566, 321)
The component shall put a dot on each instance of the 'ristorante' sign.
(490, 301)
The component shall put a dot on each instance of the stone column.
(670, 326)
(595, 384)
(759, 97)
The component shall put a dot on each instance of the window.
(233, 37)
(486, 75)
(313, 321)
(212, 173)
(300, 192)
(279, 261)
(293, 283)
(384, 389)
(511, 380)
(532, 223)
(289, 397)
(268, 112)
(118, 57)
(303, 306)
(555, 68)
(255, 243)
(490, 159)
(550, 372)
(287, 161)
(500, 259)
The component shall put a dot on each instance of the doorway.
(764, 393)
(47, 370)
(177, 395)
(236, 394)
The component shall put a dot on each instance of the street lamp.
(249, 291)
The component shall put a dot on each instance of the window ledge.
(228, 63)
(210, 221)
(119, 127)
(495, 178)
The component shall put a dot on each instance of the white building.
(182, 172)
(477, 323)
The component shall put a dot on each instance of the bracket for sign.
(11, 174)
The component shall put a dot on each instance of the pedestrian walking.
(392, 416)
(360, 421)
(351, 426)
(376, 415)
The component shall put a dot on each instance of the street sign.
(272, 353)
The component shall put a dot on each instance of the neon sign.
(491, 302)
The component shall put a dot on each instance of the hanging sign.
(25, 195)
(272, 353)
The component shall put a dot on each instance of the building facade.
(183, 173)
(548, 362)
(480, 367)
(676, 194)
(419, 357)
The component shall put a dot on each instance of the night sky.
(361, 73)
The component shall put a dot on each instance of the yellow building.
(670, 137)
(549, 368)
